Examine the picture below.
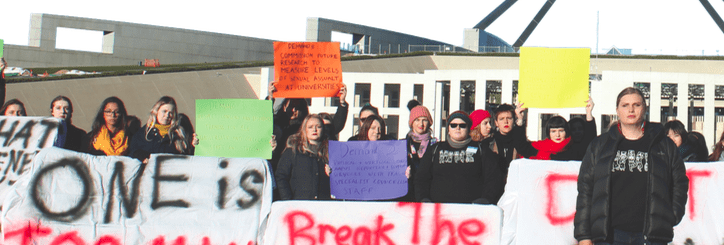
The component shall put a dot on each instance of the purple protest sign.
(368, 170)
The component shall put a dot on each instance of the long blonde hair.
(299, 142)
(176, 133)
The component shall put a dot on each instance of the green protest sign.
(234, 128)
(2, 48)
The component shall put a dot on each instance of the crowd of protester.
(470, 165)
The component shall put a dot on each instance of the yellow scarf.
(162, 129)
(115, 146)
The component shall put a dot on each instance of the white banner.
(349, 222)
(75, 198)
(20, 139)
(540, 201)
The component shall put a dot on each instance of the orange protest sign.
(307, 69)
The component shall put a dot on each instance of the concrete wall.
(372, 40)
(128, 43)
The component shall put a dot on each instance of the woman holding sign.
(162, 133)
(632, 185)
(301, 174)
(458, 170)
(108, 131)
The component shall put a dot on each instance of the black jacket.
(300, 176)
(142, 145)
(667, 187)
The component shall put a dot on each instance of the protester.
(162, 133)
(481, 125)
(62, 108)
(458, 170)
(632, 185)
(294, 111)
(718, 153)
(108, 134)
(365, 112)
(701, 149)
(373, 128)
(557, 138)
(509, 140)
(418, 140)
(303, 166)
(582, 133)
(688, 149)
(13, 108)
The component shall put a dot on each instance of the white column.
(454, 95)
(655, 101)
(682, 103)
(710, 114)
(266, 76)
(437, 113)
(480, 94)
(506, 95)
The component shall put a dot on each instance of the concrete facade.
(128, 43)
(371, 40)
(390, 83)
(478, 40)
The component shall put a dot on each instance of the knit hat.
(478, 116)
(419, 111)
(459, 114)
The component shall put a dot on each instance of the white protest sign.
(20, 139)
(350, 222)
(540, 201)
(75, 198)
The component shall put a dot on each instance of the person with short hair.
(458, 170)
(162, 133)
(108, 135)
(632, 183)
(13, 108)
(62, 108)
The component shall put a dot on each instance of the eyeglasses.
(461, 125)
(112, 112)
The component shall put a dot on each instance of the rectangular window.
(392, 96)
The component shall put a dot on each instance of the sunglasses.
(455, 125)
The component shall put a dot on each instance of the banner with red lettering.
(350, 222)
(20, 139)
(307, 69)
(76, 198)
(540, 201)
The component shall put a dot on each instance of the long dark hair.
(13, 102)
(678, 128)
(100, 121)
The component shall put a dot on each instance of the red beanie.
(419, 111)
(478, 116)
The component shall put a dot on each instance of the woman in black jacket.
(62, 108)
(458, 170)
(632, 184)
(302, 173)
(162, 133)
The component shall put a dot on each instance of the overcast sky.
(646, 26)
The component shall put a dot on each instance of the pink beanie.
(419, 111)
(478, 116)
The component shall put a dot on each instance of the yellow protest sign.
(553, 77)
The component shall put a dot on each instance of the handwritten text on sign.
(86, 197)
(319, 222)
(368, 170)
(307, 69)
(234, 127)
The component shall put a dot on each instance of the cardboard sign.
(325, 222)
(554, 77)
(234, 128)
(540, 201)
(20, 139)
(368, 170)
(307, 69)
(76, 198)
